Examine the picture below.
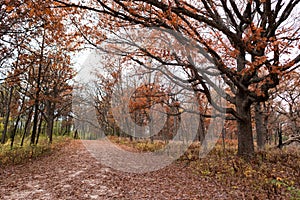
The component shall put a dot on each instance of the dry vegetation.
(23, 154)
(72, 173)
(272, 173)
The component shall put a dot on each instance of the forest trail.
(73, 173)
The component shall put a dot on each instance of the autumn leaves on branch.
(252, 46)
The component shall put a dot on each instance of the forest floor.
(73, 173)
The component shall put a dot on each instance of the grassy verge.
(18, 154)
(270, 174)
(138, 145)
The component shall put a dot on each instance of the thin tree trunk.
(49, 129)
(151, 128)
(17, 121)
(27, 124)
(223, 138)
(280, 145)
(7, 115)
(38, 90)
(50, 108)
(35, 123)
(76, 134)
(13, 134)
(39, 130)
(68, 126)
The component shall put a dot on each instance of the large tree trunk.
(261, 129)
(245, 136)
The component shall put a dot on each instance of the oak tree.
(251, 43)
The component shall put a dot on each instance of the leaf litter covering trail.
(73, 173)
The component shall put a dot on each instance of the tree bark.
(50, 116)
(35, 122)
(245, 135)
(280, 136)
(13, 134)
(17, 120)
(27, 125)
(49, 129)
(261, 129)
(39, 129)
(223, 138)
(7, 115)
(38, 90)
(201, 132)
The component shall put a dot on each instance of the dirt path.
(72, 173)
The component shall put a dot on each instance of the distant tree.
(287, 104)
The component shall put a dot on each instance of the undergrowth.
(139, 145)
(270, 174)
(21, 154)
